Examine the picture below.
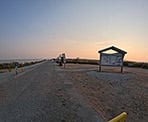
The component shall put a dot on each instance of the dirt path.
(43, 94)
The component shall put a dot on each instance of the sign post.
(114, 59)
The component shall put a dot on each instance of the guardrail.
(119, 118)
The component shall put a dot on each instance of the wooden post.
(100, 63)
(122, 64)
(122, 69)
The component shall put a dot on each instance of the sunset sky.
(46, 28)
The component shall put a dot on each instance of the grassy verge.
(4, 70)
(9, 67)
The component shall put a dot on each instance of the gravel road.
(43, 94)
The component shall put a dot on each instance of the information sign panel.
(111, 59)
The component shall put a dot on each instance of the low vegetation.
(5, 67)
(96, 62)
(83, 61)
(136, 64)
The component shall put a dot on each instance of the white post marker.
(16, 70)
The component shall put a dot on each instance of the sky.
(78, 28)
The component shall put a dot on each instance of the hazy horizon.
(45, 28)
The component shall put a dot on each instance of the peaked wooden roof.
(113, 48)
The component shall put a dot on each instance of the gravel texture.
(111, 92)
(43, 93)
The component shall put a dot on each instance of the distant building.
(111, 59)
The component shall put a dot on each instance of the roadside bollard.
(120, 118)
(16, 70)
